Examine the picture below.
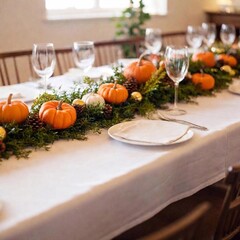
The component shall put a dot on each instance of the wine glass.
(209, 32)
(176, 63)
(83, 55)
(44, 60)
(227, 34)
(194, 36)
(153, 40)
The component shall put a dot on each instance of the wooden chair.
(174, 38)
(229, 220)
(186, 228)
(64, 60)
(222, 221)
(106, 52)
(15, 67)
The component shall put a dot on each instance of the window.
(71, 9)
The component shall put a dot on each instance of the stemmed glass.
(83, 55)
(194, 36)
(209, 32)
(176, 63)
(44, 60)
(227, 34)
(153, 40)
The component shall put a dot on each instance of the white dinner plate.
(234, 88)
(94, 73)
(150, 132)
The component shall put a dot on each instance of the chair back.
(64, 60)
(174, 38)
(108, 52)
(229, 221)
(15, 67)
(186, 228)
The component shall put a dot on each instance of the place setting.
(161, 128)
(235, 86)
(150, 132)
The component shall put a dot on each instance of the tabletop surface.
(98, 188)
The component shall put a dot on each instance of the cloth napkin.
(94, 73)
(24, 91)
(235, 87)
(16, 95)
(150, 131)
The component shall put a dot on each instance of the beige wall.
(22, 22)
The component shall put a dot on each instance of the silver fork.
(193, 125)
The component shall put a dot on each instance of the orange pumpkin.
(113, 92)
(141, 70)
(13, 111)
(205, 80)
(228, 59)
(207, 58)
(57, 114)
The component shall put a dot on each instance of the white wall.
(22, 22)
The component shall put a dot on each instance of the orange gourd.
(207, 58)
(13, 111)
(228, 59)
(205, 80)
(113, 93)
(141, 70)
(57, 114)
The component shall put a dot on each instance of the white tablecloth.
(98, 188)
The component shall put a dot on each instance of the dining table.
(98, 188)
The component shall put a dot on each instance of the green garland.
(21, 139)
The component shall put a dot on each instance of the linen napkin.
(16, 95)
(94, 73)
(157, 131)
(234, 87)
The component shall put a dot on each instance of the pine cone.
(2, 147)
(79, 109)
(34, 121)
(131, 85)
(107, 111)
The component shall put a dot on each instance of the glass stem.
(175, 94)
(45, 83)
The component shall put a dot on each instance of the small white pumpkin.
(93, 99)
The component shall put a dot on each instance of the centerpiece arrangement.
(139, 88)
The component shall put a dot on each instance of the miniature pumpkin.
(78, 101)
(228, 59)
(141, 70)
(207, 58)
(113, 92)
(228, 69)
(13, 111)
(205, 80)
(3, 133)
(93, 99)
(57, 114)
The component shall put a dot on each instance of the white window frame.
(159, 7)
